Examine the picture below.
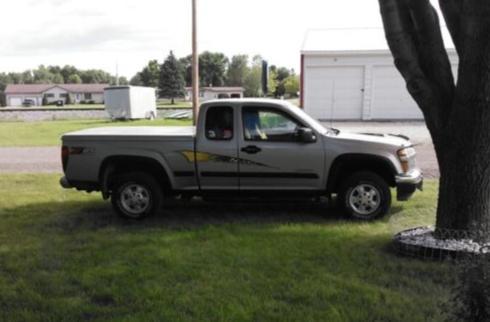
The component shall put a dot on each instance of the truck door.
(217, 149)
(272, 157)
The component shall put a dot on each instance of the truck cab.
(258, 147)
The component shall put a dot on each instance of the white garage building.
(349, 74)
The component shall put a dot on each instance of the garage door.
(334, 92)
(15, 101)
(391, 99)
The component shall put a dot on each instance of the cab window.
(266, 124)
(219, 123)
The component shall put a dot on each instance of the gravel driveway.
(47, 159)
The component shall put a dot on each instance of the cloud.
(53, 3)
(97, 32)
(72, 40)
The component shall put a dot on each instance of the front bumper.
(407, 184)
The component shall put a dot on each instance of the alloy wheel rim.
(135, 199)
(365, 199)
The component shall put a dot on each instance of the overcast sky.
(101, 33)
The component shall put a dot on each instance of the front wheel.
(136, 195)
(365, 196)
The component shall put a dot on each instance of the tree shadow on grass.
(188, 215)
(184, 215)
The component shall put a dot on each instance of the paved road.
(30, 160)
(47, 159)
(34, 114)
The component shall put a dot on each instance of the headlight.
(405, 155)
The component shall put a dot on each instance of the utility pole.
(195, 65)
(117, 73)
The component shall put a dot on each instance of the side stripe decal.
(280, 175)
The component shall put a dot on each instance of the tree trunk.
(172, 101)
(464, 150)
(457, 115)
(464, 192)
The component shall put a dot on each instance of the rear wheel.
(136, 195)
(365, 196)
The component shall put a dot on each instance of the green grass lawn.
(65, 257)
(162, 103)
(48, 133)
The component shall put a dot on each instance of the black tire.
(365, 196)
(136, 195)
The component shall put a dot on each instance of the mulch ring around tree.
(422, 243)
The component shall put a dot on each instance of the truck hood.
(387, 139)
(134, 131)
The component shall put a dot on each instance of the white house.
(349, 74)
(210, 93)
(79, 93)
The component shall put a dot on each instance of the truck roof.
(246, 101)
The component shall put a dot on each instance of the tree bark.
(457, 115)
(464, 162)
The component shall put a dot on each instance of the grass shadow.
(71, 216)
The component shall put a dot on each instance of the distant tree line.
(57, 75)
(172, 75)
(215, 69)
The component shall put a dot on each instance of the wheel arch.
(118, 164)
(347, 164)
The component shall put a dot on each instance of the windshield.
(317, 126)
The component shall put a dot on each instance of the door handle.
(251, 149)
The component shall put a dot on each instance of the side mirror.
(306, 135)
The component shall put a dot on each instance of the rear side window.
(219, 123)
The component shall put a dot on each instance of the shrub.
(45, 101)
(68, 99)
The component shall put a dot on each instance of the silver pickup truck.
(241, 149)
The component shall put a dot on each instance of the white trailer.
(130, 102)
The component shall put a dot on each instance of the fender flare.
(364, 162)
(107, 167)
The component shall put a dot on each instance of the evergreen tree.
(171, 83)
